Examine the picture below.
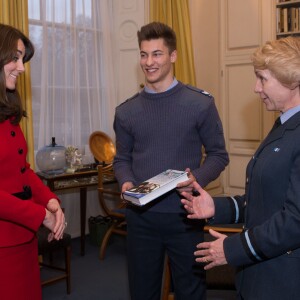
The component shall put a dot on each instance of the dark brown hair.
(157, 30)
(10, 101)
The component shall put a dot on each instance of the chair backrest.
(47, 248)
(44, 246)
(107, 184)
(102, 147)
(108, 190)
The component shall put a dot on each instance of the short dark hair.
(157, 30)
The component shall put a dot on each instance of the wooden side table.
(81, 180)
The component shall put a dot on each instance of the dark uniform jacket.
(267, 252)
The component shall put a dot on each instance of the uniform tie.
(276, 124)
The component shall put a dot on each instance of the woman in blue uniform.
(267, 252)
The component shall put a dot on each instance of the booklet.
(155, 187)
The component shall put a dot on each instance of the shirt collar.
(289, 113)
(147, 90)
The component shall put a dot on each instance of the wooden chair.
(214, 277)
(47, 249)
(108, 189)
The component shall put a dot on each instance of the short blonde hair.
(282, 58)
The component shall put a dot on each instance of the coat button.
(12, 133)
(20, 151)
(23, 169)
(247, 179)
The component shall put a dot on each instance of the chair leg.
(166, 281)
(68, 268)
(105, 240)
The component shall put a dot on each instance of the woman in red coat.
(25, 202)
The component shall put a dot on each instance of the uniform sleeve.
(229, 210)
(216, 156)
(277, 235)
(124, 145)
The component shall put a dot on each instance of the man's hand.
(187, 186)
(125, 187)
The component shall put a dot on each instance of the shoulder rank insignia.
(199, 90)
(134, 96)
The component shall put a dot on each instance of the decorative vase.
(51, 159)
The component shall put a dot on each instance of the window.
(72, 70)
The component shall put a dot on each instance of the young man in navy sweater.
(164, 127)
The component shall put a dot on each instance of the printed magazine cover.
(155, 187)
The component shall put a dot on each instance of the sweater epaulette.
(134, 96)
(199, 90)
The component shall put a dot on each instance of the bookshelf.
(287, 18)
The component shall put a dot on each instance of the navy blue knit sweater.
(155, 132)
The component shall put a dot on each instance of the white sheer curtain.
(72, 79)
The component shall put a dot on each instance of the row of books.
(288, 19)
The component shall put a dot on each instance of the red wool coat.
(19, 219)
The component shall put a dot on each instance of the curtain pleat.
(175, 13)
(15, 13)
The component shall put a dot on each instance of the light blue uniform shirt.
(147, 90)
(288, 114)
